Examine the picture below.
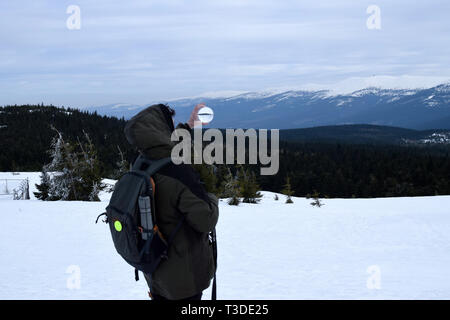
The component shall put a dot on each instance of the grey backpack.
(131, 217)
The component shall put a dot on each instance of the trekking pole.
(214, 244)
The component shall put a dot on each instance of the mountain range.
(418, 109)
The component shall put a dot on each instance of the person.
(190, 264)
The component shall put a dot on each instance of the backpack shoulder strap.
(152, 166)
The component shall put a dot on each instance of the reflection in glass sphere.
(205, 114)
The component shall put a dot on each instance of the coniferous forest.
(26, 134)
(313, 169)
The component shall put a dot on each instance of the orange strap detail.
(153, 185)
(156, 230)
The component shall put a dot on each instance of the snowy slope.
(14, 179)
(271, 250)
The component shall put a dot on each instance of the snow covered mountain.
(408, 108)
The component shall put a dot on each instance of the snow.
(12, 180)
(211, 95)
(443, 88)
(343, 102)
(119, 105)
(383, 92)
(253, 95)
(266, 107)
(443, 138)
(269, 250)
(351, 87)
(393, 99)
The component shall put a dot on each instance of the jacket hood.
(150, 130)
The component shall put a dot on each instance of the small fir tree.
(316, 203)
(249, 187)
(44, 186)
(207, 176)
(288, 190)
(122, 165)
(76, 171)
(61, 180)
(87, 171)
(231, 189)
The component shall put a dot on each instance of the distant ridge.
(408, 108)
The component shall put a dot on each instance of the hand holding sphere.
(201, 114)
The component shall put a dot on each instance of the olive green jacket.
(179, 192)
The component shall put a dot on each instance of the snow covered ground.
(389, 248)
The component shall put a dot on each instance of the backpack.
(132, 220)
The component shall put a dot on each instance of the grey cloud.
(139, 51)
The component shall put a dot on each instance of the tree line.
(307, 169)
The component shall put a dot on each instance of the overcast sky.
(138, 51)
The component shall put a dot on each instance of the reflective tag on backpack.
(146, 216)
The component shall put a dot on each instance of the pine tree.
(249, 188)
(44, 186)
(231, 189)
(316, 202)
(76, 171)
(88, 180)
(122, 165)
(221, 174)
(93, 196)
(60, 181)
(207, 176)
(288, 190)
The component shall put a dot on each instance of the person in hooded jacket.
(190, 263)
